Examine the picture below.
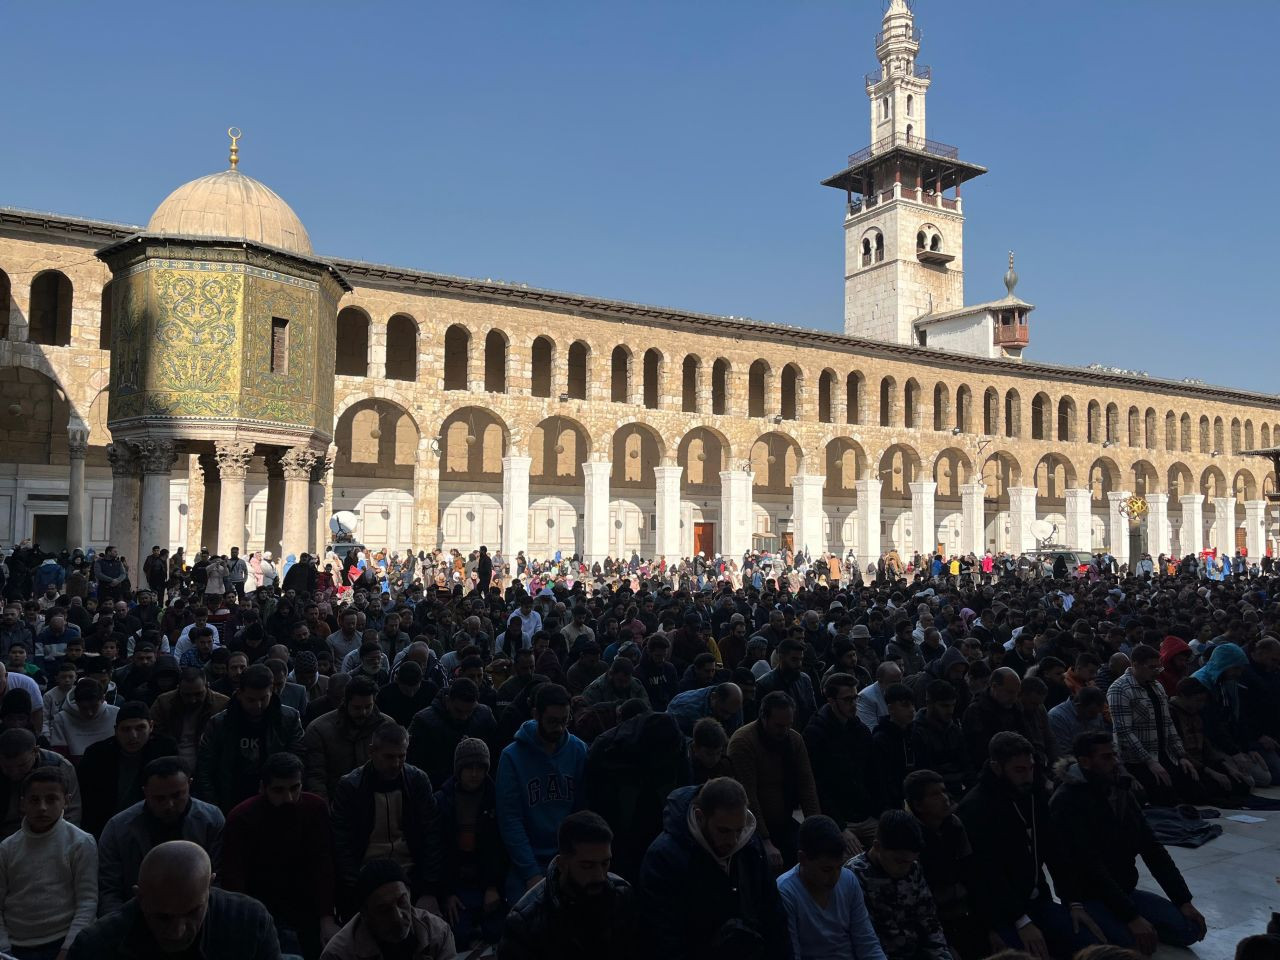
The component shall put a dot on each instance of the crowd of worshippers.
(898, 770)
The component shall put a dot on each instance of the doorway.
(704, 539)
(50, 531)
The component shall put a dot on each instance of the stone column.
(1157, 525)
(515, 506)
(1255, 529)
(839, 402)
(868, 524)
(195, 503)
(923, 525)
(157, 457)
(666, 502)
(273, 537)
(296, 464)
(973, 519)
(318, 500)
(125, 501)
(209, 513)
(377, 356)
(1192, 523)
(426, 498)
(736, 521)
(806, 511)
(1022, 513)
(233, 458)
(595, 497)
(1079, 532)
(1224, 526)
(635, 380)
(1117, 526)
(77, 447)
(704, 396)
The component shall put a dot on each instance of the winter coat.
(99, 776)
(1224, 722)
(983, 720)
(688, 708)
(228, 769)
(333, 747)
(798, 686)
(1104, 827)
(844, 770)
(546, 925)
(434, 736)
(693, 903)
(486, 864)
(895, 757)
(941, 748)
(168, 711)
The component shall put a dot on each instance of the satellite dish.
(1042, 529)
(343, 524)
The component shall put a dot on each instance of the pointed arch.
(542, 356)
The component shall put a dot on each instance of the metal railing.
(896, 34)
(920, 72)
(931, 147)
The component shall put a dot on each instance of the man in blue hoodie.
(540, 782)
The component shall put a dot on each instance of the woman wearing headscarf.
(1225, 725)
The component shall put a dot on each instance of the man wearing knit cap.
(388, 924)
(475, 861)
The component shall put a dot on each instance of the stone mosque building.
(209, 380)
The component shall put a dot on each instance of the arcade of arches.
(480, 413)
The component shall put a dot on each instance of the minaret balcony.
(1011, 334)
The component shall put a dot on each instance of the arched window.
(1205, 441)
(866, 251)
(495, 362)
(935, 243)
(826, 385)
(720, 387)
(620, 375)
(879, 246)
(911, 404)
(1039, 406)
(1135, 428)
(104, 322)
(689, 371)
(790, 391)
(911, 105)
(1012, 414)
(402, 348)
(6, 295)
(888, 402)
(884, 108)
(50, 313)
(541, 356)
(757, 388)
(457, 348)
(652, 378)
(1094, 426)
(990, 412)
(853, 398)
(1219, 435)
(1184, 431)
(1067, 420)
(910, 129)
(352, 358)
(578, 353)
(1113, 423)
(922, 241)
(964, 409)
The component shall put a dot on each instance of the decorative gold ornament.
(1134, 508)
(235, 135)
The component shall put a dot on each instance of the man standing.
(1101, 822)
(540, 782)
(166, 811)
(484, 571)
(436, 731)
(181, 715)
(579, 911)
(337, 742)
(771, 762)
(237, 572)
(387, 923)
(278, 849)
(790, 678)
(82, 722)
(111, 771)
(177, 911)
(840, 753)
(995, 711)
(19, 755)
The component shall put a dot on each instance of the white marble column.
(868, 523)
(666, 508)
(1255, 529)
(1117, 526)
(515, 505)
(973, 519)
(77, 447)
(296, 465)
(233, 458)
(1079, 511)
(923, 525)
(1192, 523)
(318, 485)
(126, 496)
(1224, 526)
(1158, 541)
(1022, 513)
(595, 523)
(736, 522)
(806, 512)
(157, 458)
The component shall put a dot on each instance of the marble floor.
(1235, 880)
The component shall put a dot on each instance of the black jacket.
(1103, 826)
(485, 865)
(1008, 872)
(983, 720)
(353, 819)
(894, 758)
(798, 686)
(99, 779)
(844, 767)
(660, 682)
(545, 924)
(1260, 701)
(630, 772)
(228, 769)
(694, 909)
(942, 749)
(434, 736)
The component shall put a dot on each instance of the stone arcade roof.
(89, 231)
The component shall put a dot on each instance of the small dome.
(231, 206)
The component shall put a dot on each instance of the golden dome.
(231, 206)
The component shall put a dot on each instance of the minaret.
(904, 235)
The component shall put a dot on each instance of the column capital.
(1223, 503)
(596, 469)
(923, 487)
(77, 440)
(123, 459)
(667, 472)
(157, 456)
(809, 480)
(517, 462)
(1118, 496)
(1191, 499)
(1157, 498)
(297, 463)
(233, 458)
(1076, 493)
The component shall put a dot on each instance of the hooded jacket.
(1103, 825)
(938, 670)
(1224, 723)
(536, 790)
(1170, 647)
(689, 896)
(843, 763)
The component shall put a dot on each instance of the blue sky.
(670, 152)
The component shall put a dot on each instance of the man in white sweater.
(83, 720)
(48, 875)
